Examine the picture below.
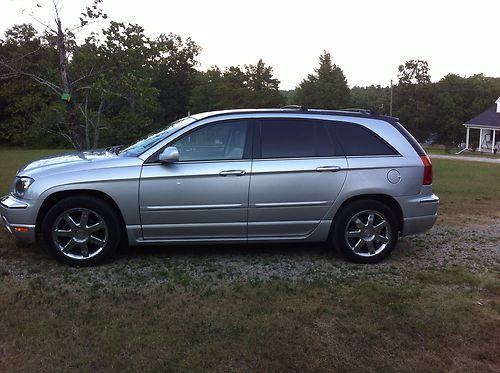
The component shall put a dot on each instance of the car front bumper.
(17, 217)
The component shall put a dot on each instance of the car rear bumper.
(17, 217)
(419, 213)
(418, 224)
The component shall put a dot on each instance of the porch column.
(467, 139)
(480, 138)
(493, 142)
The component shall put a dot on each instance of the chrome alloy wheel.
(80, 233)
(368, 233)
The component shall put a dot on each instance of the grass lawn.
(469, 191)
(432, 151)
(437, 321)
(12, 159)
(56, 318)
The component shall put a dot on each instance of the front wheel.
(81, 230)
(365, 231)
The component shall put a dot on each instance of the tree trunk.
(74, 128)
(98, 122)
(87, 121)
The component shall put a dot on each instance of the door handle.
(232, 173)
(328, 169)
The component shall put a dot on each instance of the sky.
(367, 39)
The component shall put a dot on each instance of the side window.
(357, 140)
(295, 138)
(325, 145)
(223, 141)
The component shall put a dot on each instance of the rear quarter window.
(357, 140)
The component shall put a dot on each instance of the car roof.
(359, 113)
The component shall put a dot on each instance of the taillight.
(427, 170)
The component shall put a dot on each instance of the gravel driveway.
(476, 248)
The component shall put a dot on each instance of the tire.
(81, 230)
(365, 231)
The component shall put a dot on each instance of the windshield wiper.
(114, 149)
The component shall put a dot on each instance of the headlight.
(21, 186)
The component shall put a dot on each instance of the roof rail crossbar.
(362, 111)
(294, 107)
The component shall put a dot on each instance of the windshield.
(147, 142)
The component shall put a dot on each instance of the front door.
(204, 195)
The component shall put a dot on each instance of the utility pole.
(391, 101)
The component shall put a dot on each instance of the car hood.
(69, 162)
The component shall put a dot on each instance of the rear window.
(357, 140)
(296, 138)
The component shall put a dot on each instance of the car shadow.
(253, 250)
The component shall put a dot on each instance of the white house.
(488, 124)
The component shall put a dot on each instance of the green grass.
(274, 326)
(12, 159)
(468, 190)
(432, 151)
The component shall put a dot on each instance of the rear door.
(297, 174)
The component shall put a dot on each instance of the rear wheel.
(81, 230)
(365, 231)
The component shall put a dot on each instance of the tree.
(376, 98)
(252, 86)
(264, 89)
(125, 86)
(325, 89)
(414, 72)
(142, 82)
(413, 97)
(458, 99)
(175, 75)
(62, 40)
(207, 91)
(21, 99)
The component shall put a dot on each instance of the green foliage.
(174, 76)
(413, 98)
(127, 61)
(251, 87)
(375, 98)
(326, 89)
(125, 84)
(414, 72)
(458, 99)
(263, 89)
(438, 110)
(22, 98)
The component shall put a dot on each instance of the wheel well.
(383, 198)
(57, 196)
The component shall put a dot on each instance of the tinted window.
(325, 145)
(219, 141)
(358, 140)
(294, 138)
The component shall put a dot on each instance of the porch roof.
(488, 118)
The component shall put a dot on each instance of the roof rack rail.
(294, 107)
(361, 111)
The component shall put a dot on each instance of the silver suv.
(349, 177)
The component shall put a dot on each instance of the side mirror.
(169, 155)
